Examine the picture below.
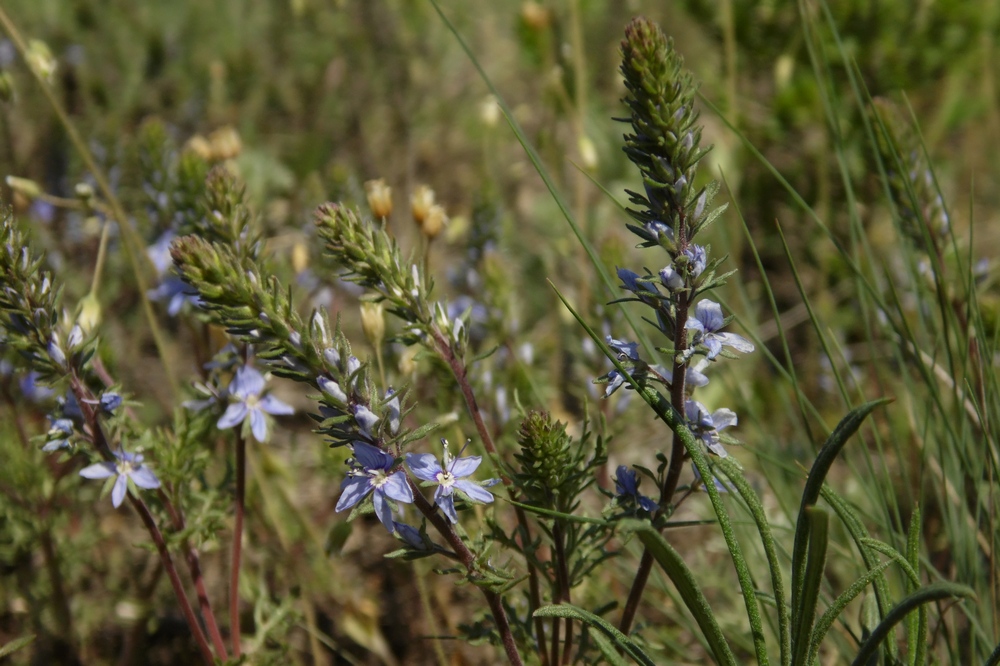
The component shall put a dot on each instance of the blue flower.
(411, 536)
(706, 323)
(32, 390)
(719, 485)
(176, 293)
(627, 487)
(58, 435)
(247, 387)
(626, 351)
(128, 467)
(706, 426)
(372, 473)
(366, 420)
(448, 478)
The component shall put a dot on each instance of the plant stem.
(175, 580)
(677, 399)
(87, 406)
(234, 569)
(460, 372)
(468, 560)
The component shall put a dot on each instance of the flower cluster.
(669, 214)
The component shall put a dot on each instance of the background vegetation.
(847, 290)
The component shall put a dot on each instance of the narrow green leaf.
(575, 613)
(818, 523)
(814, 484)
(925, 595)
(683, 579)
(608, 649)
(16, 645)
(916, 627)
(839, 604)
(735, 476)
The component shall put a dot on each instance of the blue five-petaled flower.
(706, 323)
(449, 478)
(247, 387)
(127, 466)
(627, 486)
(373, 473)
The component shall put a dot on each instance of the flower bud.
(373, 322)
(300, 256)
(224, 144)
(199, 146)
(89, 315)
(588, 152)
(421, 202)
(379, 197)
(28, 188)
(435, 222)
(41, 60)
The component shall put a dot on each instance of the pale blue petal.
(99, 471)
(354, 489)
(331, 388)
(248, 382)
(371, 457)
(272, 405)
(475, 492)
(737, 342)
(365, 418)
(447, 505)
(465, 466)
(709, 313)
(118, 492)
(144, 478)
(423, 465)
(397, 488)
(723, 418)
(234, 415)
(258, 425)
(383, 511)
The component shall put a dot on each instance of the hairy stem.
(677, 398)
(468, 560)
(234, 569)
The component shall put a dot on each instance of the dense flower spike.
(128, 467)
(372, 473)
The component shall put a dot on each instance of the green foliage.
(859, 130)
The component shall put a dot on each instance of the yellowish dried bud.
(420, 204)
(373, 322)
(489, 111)
(225, 144)
(89, 315)
(28, 188)
(535, 16)
(379, 197)
(300, 256)
(435, 222)
(41, 60)
(408, 360)
(588, 152)
(199, 146)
